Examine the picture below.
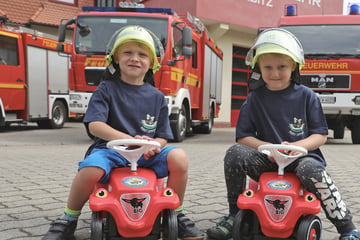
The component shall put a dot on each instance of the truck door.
(37, 83)
(194, 78)
(12, 72)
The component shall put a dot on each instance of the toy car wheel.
(246, 225)
(309, 228)
(97, 226)
(170, 225)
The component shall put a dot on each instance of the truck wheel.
(207, 126)
(339, 130)
(179, 125)
(59, 116)
(355, 130)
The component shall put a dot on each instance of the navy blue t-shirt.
(132, 109)
(289, 115)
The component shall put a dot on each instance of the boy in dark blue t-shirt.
(280, 111)
(124, 106)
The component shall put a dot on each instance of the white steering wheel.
(132, 149)
(279, 153)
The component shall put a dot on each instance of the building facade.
(233, 24)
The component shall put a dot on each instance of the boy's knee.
(178, 158)
(235, 152)
(309, 168)
(91, 174)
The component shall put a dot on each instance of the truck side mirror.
(62, 28)
(60, 47)
(187, 36)
(187, 51)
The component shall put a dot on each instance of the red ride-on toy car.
(134, 204)
(279, 208)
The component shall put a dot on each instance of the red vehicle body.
(277, 207)
(134, 203)
(332, 50)
(190, 76)
(34, 78)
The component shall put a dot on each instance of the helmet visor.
(276, 40)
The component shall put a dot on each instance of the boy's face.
(276, 70)
(134, 60)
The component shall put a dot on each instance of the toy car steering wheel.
(132, 149)
(277, 151)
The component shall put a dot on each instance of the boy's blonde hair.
(137, 34)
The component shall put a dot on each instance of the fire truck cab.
(332, 62)
(34, 79)
(190, 73)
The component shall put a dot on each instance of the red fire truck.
(34, 78)
(190, 76)
(332, 69)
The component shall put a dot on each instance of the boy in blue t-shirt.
(280, 111)
(124, 106)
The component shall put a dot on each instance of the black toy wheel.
(309, 228)
(97, 226)
(170, 225)
(246, 225)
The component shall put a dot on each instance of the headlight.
(357, 100)
(75, 97)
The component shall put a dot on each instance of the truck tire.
(179, 124)
(355, 130)
(206, 127)
(339, 130)
(59, 116)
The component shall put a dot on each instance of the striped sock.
(179, 209)
(71, 215)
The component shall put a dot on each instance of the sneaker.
(187, 229)
(222, 230)
(61, 229)
(353, 235)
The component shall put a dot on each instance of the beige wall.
(226, 43)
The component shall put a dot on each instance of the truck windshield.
(94, 32)
(328, 40)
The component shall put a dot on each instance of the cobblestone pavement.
(37, 167)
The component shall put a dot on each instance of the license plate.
(327, 99)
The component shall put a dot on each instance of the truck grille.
(330, 82)
(93, 75)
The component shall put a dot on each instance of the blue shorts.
(107, 159)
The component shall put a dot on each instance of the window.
(9, 51)
(194, 55)
(69, 2)
(105, 3)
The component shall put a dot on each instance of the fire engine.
(190, 76)
(34, 78)
(332, 69)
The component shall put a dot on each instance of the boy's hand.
(290, 153)
(150, 152)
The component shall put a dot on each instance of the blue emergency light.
(291, 10)
(354, 9)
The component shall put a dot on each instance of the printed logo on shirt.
(297, 127)
(149, 124)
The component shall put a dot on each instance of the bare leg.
(82, 186)
(178, 163)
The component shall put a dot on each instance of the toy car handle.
(132, 149)
(280, 157)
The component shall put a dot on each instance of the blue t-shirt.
(132, 109)
(289, 115)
